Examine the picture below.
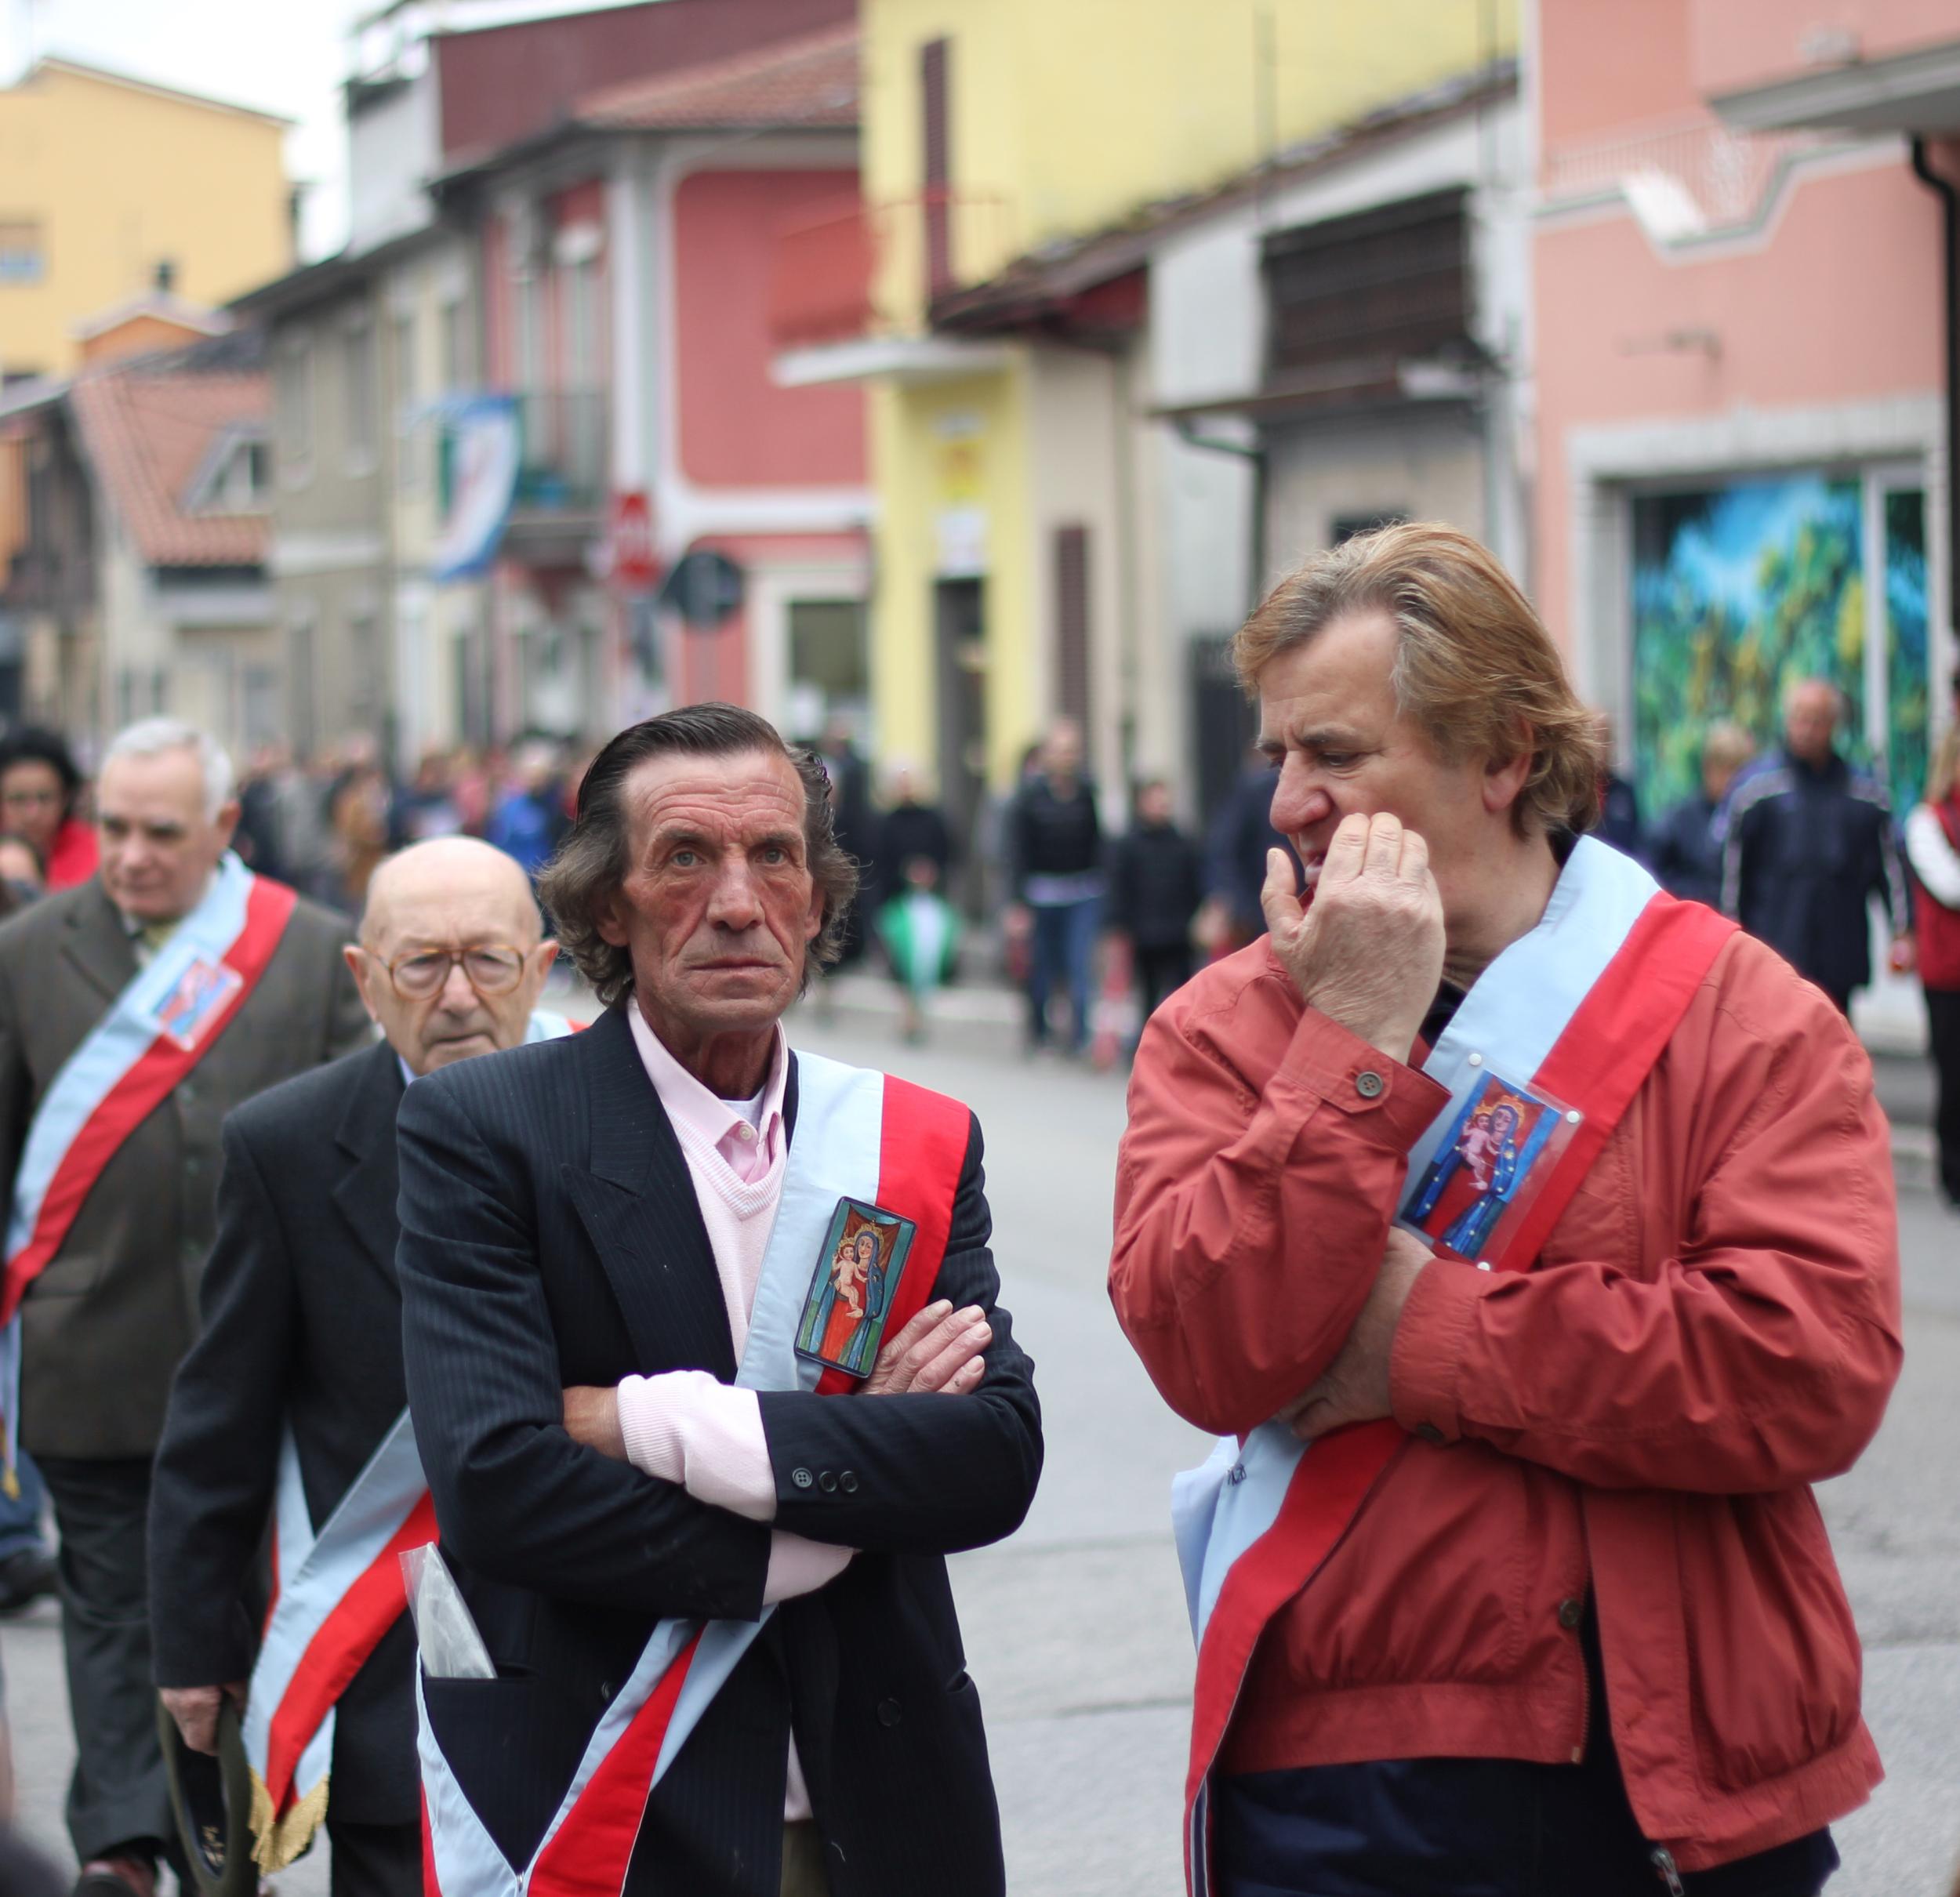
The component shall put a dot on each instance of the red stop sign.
(634, 567)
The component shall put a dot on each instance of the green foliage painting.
(1739, 590)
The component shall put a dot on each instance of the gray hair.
(152, 737)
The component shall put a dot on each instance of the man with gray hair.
(136, 1009)
(1809, 843)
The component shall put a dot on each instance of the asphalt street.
(1075, 1631)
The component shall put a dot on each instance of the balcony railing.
(565, 464)
(1700, 177)
(860, 270)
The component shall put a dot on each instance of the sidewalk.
(981, 1008)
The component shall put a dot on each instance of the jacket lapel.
(98, 945)
(638, 1204)
(365, 1191)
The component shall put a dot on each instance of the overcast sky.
(288, 57)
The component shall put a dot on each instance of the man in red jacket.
(1530, 1237)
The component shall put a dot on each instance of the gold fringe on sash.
(276, 1841)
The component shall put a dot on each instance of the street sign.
(703, 588)
(633, 564)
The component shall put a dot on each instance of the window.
(358, 370)
(1072, 623)
(1379, 286)
(21, 258)
(455, 344)
(830, 662)
(936, 162)
(292, 401)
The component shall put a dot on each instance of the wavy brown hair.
(1475, 667)
(591, 862)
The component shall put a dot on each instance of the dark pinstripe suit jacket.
(550, 1236)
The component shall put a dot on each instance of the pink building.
(627, 241)
(1743, 318)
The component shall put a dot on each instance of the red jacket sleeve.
(1760, 1354)
(1266, 1154)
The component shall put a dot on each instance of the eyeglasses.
(492, 970)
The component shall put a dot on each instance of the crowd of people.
(277, 1088)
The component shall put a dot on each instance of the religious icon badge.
(851, 1297)
(1493, 1160)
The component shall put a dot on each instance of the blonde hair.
(1942, 775)
(1474, 667)
(1726, 745)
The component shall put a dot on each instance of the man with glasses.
(291, 1405)
(136, 1009)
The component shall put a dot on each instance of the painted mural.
(1739, 588)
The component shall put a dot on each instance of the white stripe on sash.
(835, 1154)
(120, 1039)
(1510, 1018)
(313, 1575)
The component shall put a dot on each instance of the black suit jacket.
(550, 1236)
(302, 1327)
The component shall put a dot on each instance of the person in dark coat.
(579, 1281)
(1687, 844)
(1155, 885)
(1055, 878)
(300, 1300)
(1809, 843)
(103, 1326)
(912, 829)
(858, 828)
(1240, 834)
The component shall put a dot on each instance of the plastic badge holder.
(452, 1648)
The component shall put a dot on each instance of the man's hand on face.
(196, 1708)
(938, 1354)
(1369, 951)
(1354, 1388)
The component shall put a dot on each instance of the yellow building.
(104, 179)
(1020, 495)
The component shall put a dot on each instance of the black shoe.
(25, 1578)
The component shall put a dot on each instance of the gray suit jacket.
(103, 1326)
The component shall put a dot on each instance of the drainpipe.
(1949, 219)
(1256, 456)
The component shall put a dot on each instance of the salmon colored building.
(1742, 325)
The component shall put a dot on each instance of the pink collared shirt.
(688, 1427)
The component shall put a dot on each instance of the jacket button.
(827, 1482)
(802, 1478)
(1368, 1083)
(1429, 1433)
(848, 1482)
(1571, 1614)
(889, 1713)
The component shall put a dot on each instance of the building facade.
(1741, 320)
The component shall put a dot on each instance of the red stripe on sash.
(923, 1141)
(1607, 1050)
(431, 1881)
(156, 1071)
(339, 1649)
(589, 1859)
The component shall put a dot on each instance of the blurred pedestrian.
(1528, 1238)
(1155, 885)
(1619, 823)
(291, 1404)
(40, 799)
(1236, 845)
(1933, 847)
(24, 873)
(912, 826)
(192, 984)
(1809, 843)
(1056, 882)
(529, 820)
(429, 805)
(1687, 841)
(361, 818)
(857, 825)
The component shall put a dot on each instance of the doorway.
(959, 618)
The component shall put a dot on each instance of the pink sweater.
(688, 1427)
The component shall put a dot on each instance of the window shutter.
(1072, 623)
(937, 169)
